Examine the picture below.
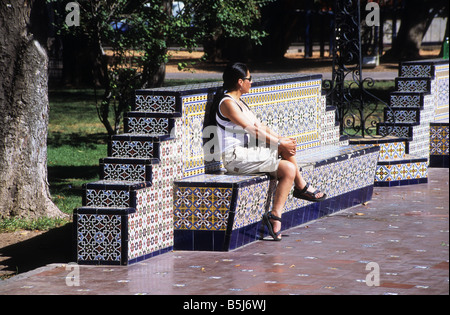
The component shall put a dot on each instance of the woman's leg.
(299, 182)
(286, 176)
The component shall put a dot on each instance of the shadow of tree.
(88, 140)
(54, 246)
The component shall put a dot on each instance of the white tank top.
(233, 135)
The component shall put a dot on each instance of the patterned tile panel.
(413, 84)
(123, 170)
(155, 103)
(143, 123)
(133, 147)
(292, 109)
(406, 99)
(202, 208)
(416, 70)
(401, 171)
(439, 139)
(99, 238)
(392, 150)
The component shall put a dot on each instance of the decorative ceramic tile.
(392, 150)
(439, 139)
(402, 116)
(346, 170)
(142, 123)
(202, 208)
(133, 147)
(99, 238)
(155, 103)
(162, 148)
(101, 197)
(406, 99)
(396, 130)
(418, 70)
(402, 170)
(413, 85)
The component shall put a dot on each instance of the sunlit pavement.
(397, 244)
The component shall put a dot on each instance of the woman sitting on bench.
(243, 154)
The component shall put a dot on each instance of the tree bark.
(24, 110)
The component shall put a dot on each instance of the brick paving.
(404, 231)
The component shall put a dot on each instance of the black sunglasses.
(249, 78)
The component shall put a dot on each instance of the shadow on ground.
(54, 246)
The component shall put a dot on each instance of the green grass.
(76, 142)
(42, 224)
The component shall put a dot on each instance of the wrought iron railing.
(358, 110)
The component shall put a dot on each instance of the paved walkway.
(400, 238)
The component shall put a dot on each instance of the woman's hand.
(288, 147)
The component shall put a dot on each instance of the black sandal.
(266, 220)
(307, 195)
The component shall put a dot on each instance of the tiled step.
(127, 169)
(402, 171)
(400, 130)
(416, 69)
(127, 225)
(390, 147)
(407, 115)
(155, 124)
(146, 101)
(111, 194)
(395, 166)
(419, 84)
(407, 99)
(134, 146)
(439, 144)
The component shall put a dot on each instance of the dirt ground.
(22, 251)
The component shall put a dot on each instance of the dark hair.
(231, 75)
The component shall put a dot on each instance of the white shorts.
(254, 160)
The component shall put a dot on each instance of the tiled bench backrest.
(292, 105)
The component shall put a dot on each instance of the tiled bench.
(217, 212)
(134, 213)
(222, 212)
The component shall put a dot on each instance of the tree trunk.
(24, 190)
(415, 21)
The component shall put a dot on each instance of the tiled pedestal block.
(439, 144)
(131, 223)
(395, 167)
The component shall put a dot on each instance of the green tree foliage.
(216, 24)
(137, 34)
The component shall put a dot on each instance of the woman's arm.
(252, 125)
